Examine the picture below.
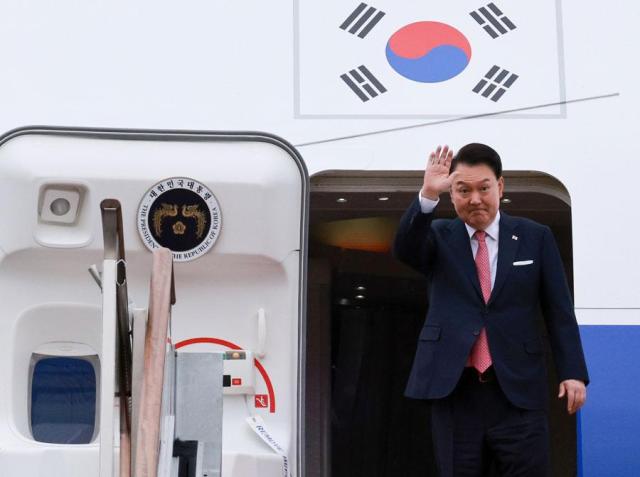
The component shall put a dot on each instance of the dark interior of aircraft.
(364, 313)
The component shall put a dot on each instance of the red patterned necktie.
(480, 357)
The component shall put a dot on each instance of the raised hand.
(436, 175)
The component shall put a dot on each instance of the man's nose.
(475, 198)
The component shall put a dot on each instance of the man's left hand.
(576, 393)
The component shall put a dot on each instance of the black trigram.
(363, 83)
(491, 19)
(495, 83)
(362, 20)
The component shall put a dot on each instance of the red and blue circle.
(428, 52)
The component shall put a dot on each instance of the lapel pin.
(514, 237)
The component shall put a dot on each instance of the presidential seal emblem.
(181, 214)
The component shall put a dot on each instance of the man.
(479, 358)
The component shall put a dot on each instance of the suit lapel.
(507, 247)
(461, 247)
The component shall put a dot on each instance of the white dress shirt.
(493, 235)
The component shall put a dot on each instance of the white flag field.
(408, 59)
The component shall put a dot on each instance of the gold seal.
(179, 228)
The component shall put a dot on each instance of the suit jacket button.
(476, 333)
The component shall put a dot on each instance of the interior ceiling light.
(383, 198)
(341, 200)
(359, 297)
(506, 201)
(361, 288)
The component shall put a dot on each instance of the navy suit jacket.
(441, 250)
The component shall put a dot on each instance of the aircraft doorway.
(365, 311)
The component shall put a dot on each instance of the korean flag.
(429, 59)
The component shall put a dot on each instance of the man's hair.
(476, 153)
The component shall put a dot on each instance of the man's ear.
(501, 186)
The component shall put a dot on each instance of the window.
(63, 399)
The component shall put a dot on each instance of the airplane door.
(232, 207)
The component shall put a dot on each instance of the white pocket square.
(523, 262)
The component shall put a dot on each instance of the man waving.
(480, 358)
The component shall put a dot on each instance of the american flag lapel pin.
(514, 237)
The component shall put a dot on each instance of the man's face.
(476, 194)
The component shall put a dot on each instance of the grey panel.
(199, 405)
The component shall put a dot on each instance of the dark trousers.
(476, 427)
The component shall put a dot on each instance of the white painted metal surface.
(108, 431)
